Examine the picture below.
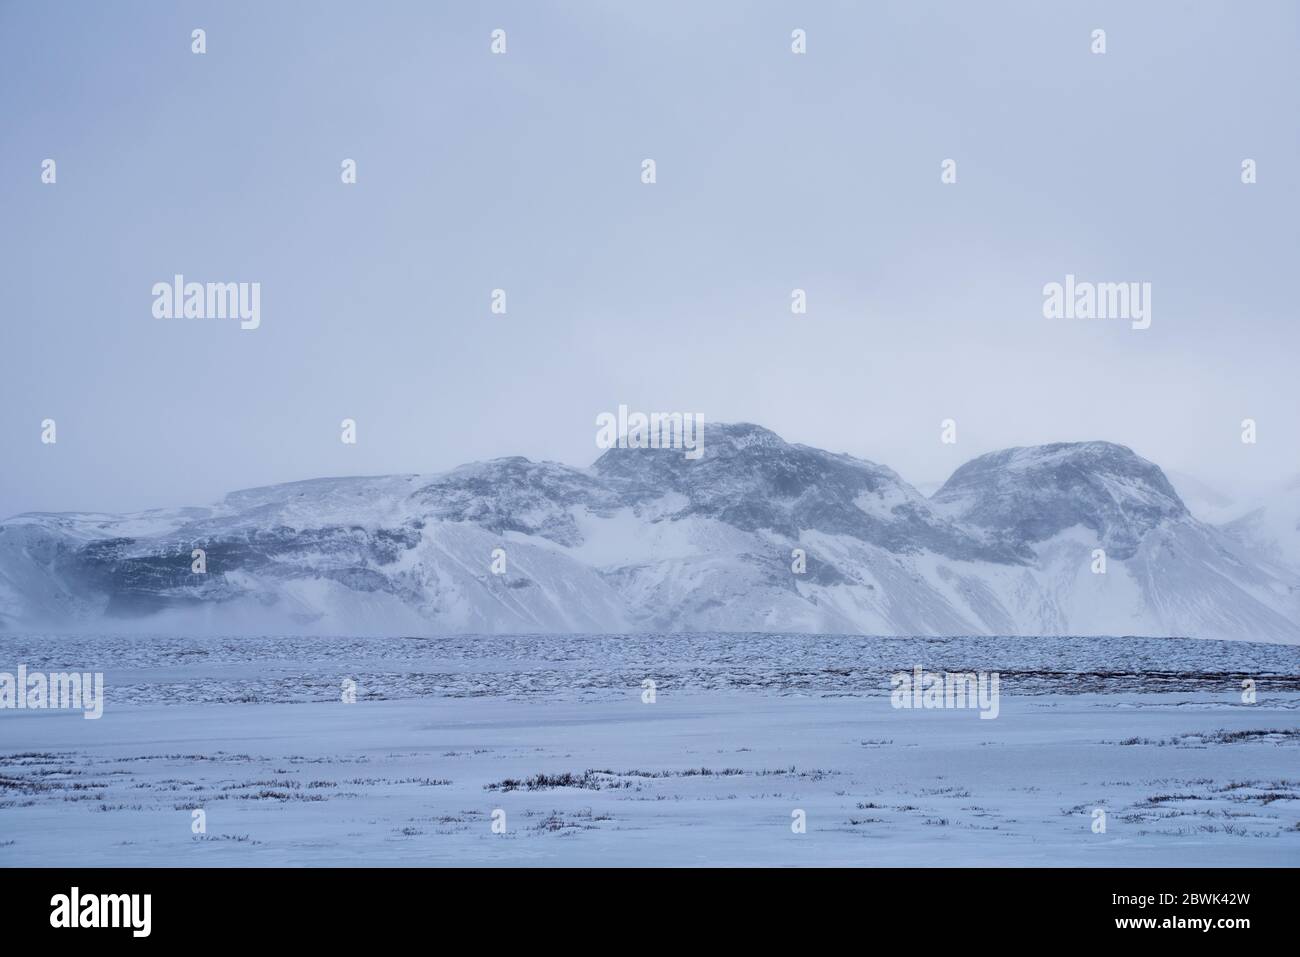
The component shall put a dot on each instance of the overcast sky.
(523, 172)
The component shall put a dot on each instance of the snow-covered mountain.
(649, 540)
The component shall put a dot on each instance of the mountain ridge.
(757, 534)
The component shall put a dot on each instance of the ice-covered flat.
(708, 774)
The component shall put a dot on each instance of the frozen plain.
(745, 729)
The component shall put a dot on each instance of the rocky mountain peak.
(1030, 494)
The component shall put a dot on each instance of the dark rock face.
(750, 478)
(1026, 495)
(517, 495)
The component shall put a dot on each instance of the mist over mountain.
(756, 535)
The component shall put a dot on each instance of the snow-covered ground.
(744, 731)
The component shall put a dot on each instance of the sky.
(774, 171)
